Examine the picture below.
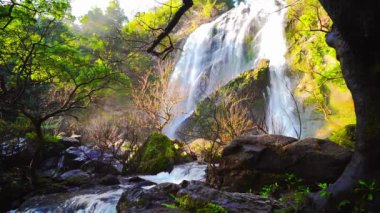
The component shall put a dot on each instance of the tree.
(102, 29)
(151, 96)
(44, 72)
(356, 40)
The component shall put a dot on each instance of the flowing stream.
(217, 52)
(103, 199)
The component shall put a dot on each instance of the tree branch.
(187, 4)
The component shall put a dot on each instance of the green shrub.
(268, 190)
(187, 203)
(47, 137)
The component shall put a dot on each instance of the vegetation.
(187, 203)
(321, 84)
(105, 79)
(228, 113)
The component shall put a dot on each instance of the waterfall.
(218, 51)
(281, 109)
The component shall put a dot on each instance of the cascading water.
(213, 54)
(104, 199)
(280, 113)
(217, 52)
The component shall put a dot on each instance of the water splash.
(104, 199)
(190, 171)
(217, 52)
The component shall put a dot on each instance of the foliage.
(32, 136)
(11, 126)
(45, 70)
(101, 32)
(344, 136)
(267, 190)
(363, 198)
(315, 63)
(140, 32)
(323, 192)
(365, 191)
(293, 182)
(187, 203)
(293, 191)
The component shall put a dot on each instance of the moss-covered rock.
(241, 85)
(158, 154)
(246, 91)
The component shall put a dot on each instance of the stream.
(103, 199)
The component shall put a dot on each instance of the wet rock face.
(90, 159)
(16, 152)
(139, 200)
(251, 162)
(250, 87)
(74, 174)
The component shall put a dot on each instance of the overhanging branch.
(187, 4)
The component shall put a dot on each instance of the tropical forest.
(198, 106)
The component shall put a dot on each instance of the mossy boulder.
(254, 79)
(158, 154)
(246, 91)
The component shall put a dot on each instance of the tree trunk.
(38, 150)
(38, 129)
(356, 40)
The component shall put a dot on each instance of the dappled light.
(189, 106)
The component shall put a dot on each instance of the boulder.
(69, 141)
(95, 160)
(16, 152)
(77, 173)
(200, 149)
(76, 178)
(109, 180)
(99, 167)
(158, 154)
(139, 182)
(198, 193)
(49, 167)
(252, 162)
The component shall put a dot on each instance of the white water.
(217, 52)
(190, 171)
(104, 199)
